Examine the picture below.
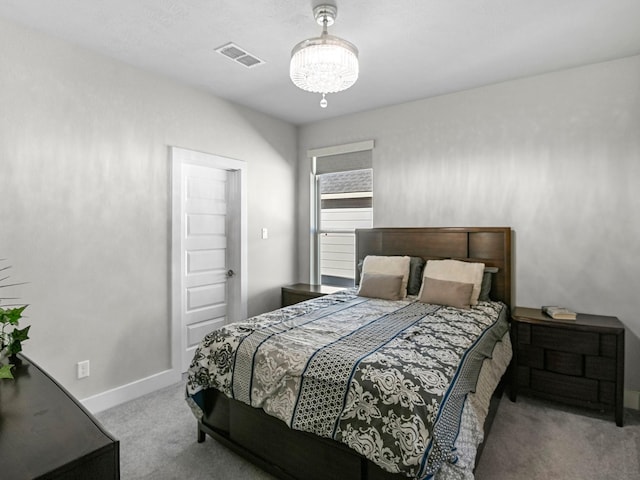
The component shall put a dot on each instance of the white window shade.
(344, 162)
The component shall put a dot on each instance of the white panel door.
(205, 254)
(208, 248)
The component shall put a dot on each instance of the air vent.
(237, 54)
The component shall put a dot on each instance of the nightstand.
(579, 362)
(300, 292)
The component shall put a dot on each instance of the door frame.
(237, 215)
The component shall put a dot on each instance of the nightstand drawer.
(608, 346)
(564, 362)
(524, 333)
(564, 385)
(530, 356)
(586, 343)
(600, 368)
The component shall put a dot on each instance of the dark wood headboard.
(489, 245)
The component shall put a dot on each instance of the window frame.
(342, 154)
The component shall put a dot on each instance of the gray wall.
(85, 206)
(556, 157)
(84, 192)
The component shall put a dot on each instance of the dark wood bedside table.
(579, 362)
(299, 292)
(45, 433)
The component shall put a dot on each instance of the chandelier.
(325, 64)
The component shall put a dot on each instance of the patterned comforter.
(386, 378)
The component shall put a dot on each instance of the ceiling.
(409, 49)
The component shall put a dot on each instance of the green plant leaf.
(14, 347)
(5, 371)
(21, 334)
(11, 315)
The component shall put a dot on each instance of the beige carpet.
(529, 440)
(534, 439)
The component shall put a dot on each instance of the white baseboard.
(632, 399)
(116, 396)
(131, 391)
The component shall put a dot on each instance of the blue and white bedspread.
(386, 378)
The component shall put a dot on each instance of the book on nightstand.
(559, 313)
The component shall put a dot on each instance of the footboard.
(289, 454)
(269, 443)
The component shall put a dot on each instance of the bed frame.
(295, 455)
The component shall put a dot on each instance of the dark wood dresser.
(299, 292)
(580, 362)
(45, 433)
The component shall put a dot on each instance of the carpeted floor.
(158, 441)
(530, 439)
(533, 439)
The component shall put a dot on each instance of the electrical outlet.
(83, 369)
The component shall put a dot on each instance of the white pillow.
(456, 271)
(393, 265)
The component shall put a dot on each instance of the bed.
(361, 385)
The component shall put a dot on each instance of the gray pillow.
(378, 285)
(485, 286)
(416, 267)
(446, 292)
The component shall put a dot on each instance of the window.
(343, 201)
(345, 204)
